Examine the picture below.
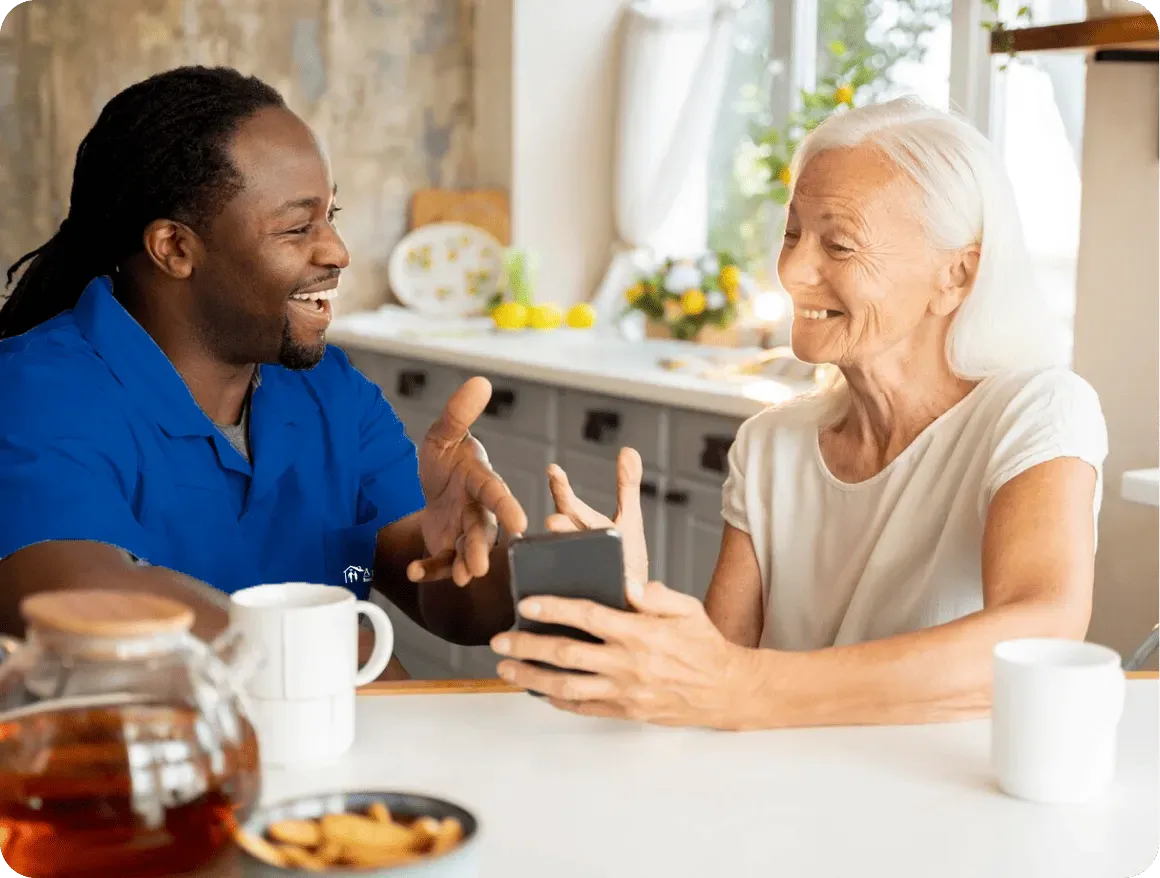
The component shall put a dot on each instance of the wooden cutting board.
(487, 209)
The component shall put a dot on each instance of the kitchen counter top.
(596, 361)
(1142, 486)
(575, 797)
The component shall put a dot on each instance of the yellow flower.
(844, 95)
(693, 302)
(733, 294)
(729, 280)
(673, 311)
(634, 293)
(783, 176)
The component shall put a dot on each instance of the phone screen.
(588, 565)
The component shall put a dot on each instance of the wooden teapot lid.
(105, 613)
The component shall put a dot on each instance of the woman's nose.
(797, 267)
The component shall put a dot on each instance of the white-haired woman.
(881, 537)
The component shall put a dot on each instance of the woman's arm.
(734, 602)
(1038, 568)
(668, 663)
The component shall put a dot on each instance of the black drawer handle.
(411, 383)
(715, 453)
(677, 498)
(601, 427)
(501, 404)
(648, 489)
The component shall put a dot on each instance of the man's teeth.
(811, 314)
(324, 296)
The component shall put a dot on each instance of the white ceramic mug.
(1057, 706)
(301, 699)
(308, 635)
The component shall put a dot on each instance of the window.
(936, 49)
(1037, 123)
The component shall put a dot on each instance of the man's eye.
(333, 212)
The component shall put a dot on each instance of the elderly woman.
(883, 535)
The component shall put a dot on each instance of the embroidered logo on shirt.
(355, 574)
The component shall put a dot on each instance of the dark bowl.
(460, 862)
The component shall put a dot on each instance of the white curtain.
(674, 65)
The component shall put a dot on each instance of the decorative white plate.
(446, 269)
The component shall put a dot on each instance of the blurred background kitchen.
(600, 138)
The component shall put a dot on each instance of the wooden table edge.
(438, 687)
(496, 685)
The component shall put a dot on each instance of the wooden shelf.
(1126, 31)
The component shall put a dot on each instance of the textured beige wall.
(387, 84)
(1116, 315)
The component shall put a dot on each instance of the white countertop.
(1142, 486)
(598, 361)
(569, 797)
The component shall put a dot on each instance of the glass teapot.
(124, 747)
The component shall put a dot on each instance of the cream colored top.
(845, 563)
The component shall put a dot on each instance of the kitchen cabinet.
(529, 425)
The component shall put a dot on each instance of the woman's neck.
(889, 404)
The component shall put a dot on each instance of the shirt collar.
(141, 366)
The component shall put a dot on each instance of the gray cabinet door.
(594, 481)
(425, 656)
(523, 464)
(694, 524)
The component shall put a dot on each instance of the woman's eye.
(839, 248)
(791, 235)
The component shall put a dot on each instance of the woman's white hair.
(967, 199)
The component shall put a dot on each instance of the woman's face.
(857, 262)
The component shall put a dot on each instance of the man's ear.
(956, 278)
(173, 247)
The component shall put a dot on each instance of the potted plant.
(688, 298)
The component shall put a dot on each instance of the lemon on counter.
(581, 316)
(547, 315)
(510, 315)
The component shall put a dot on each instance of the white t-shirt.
(845, 563)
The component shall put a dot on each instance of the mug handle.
(384, 642)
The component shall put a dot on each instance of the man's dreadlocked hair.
(158, 151)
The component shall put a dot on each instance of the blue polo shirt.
(100, 439)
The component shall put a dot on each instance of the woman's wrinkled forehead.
(858, 183)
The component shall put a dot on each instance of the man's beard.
(297, 356)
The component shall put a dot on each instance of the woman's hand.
(573, 514)
(665, 664)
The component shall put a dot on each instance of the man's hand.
(465, 497)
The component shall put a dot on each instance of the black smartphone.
(587, 564)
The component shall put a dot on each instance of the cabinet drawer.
(519, 408)
(602, 425)
(701, 445)
(416, 421)
(523, 464)
(426, 386)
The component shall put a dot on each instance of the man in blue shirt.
(172, 415)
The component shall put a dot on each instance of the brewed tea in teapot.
(124, 749)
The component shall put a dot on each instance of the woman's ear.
(956, 277)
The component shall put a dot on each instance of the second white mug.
(1057, 706)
